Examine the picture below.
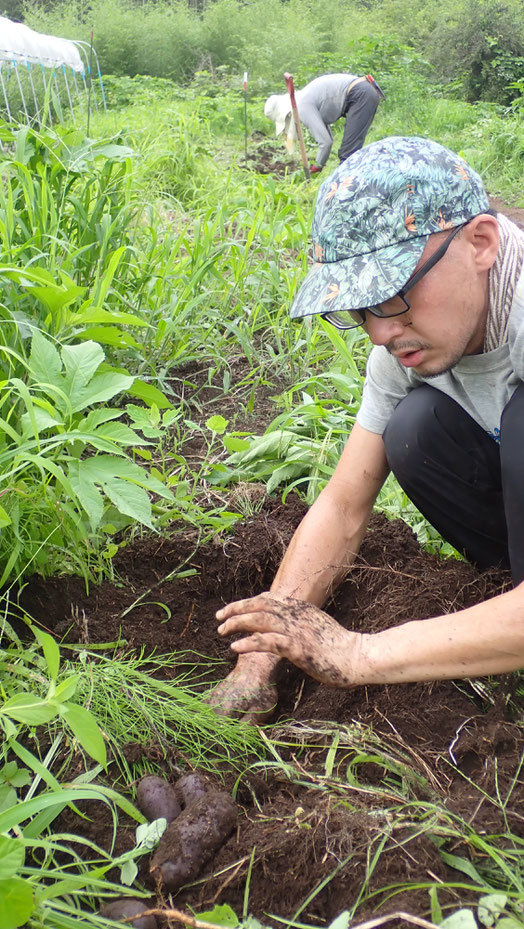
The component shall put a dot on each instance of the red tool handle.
(290, 88)
(291, 91)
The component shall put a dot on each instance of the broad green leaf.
(87, 494)
(141, 415)
(16, 902)
(149, 394)
(490, 908)
(509, 922)
(112, 151)
(250, 922)
(273, 444)
(129, 499)
(5, 520)
(44, 420)
(234, 444)
(101, 388)
(12, 856)
(21, 779)
(103, 468)
(55, 298)
(85, 730)
(50, 650)
(98, 416)
(66, 689)
(341, 921)
(44, 360)
(29, 709)
(109, 335)
(462, 919)
(217, 424)
(94, 314)
(8, 771)
(128, 872)
(280, 475)
(149, 834)
(80, 364)
(7, 796)
(121, 434)
(220, 915)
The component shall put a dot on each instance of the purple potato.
(190, 788)
(122, 909)
(156, 798)
(192, 839)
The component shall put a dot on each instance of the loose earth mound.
(462, 742)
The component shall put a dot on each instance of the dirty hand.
(315, 169)
(247, 692)
(295, 630)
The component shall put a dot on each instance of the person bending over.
(407, 249)
(320, 103)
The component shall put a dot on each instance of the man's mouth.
(410, 359)
(409, 355)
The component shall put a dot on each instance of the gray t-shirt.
(481, 384)
(320, 103)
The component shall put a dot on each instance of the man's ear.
(483, 233)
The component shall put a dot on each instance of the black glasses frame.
(333, 316)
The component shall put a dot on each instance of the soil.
(461, 745)
(462, 740)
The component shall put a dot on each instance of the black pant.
(361, 106)
(466, 485)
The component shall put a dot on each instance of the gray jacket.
(320, 103)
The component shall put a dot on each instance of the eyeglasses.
(397, 305)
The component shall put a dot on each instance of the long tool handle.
(291, 91)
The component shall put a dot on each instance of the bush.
(484, 51)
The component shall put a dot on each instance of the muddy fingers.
(294, 629)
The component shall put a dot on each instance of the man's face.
(449, 305)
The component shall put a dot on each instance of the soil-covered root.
(124, 909)
(191, 787)
(157, 798)
(192, 838)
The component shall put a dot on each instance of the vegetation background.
(152, 247)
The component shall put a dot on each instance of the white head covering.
(278, 108)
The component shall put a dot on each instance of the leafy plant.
(49, 422)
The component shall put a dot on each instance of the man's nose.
(383, 329)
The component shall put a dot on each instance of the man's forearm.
(320, 553)
(328, 538)
(484, 639)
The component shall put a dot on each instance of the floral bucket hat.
(374, 215)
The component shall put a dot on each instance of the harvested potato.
(190, 788)
(156, 798)
(123, 909)
(191, 839)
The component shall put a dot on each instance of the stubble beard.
(435, 369)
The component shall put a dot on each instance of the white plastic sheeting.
(21, 45)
